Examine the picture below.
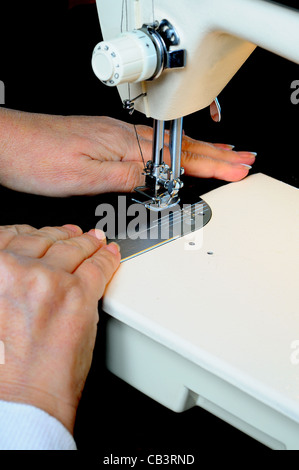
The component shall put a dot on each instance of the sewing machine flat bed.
(215, 324)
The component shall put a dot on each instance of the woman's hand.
(50, 283)
(76, 155)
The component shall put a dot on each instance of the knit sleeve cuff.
(25, 427)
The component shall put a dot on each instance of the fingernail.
(245, 154)
(73, 228)
(229, 146)
(113, 248)
(246, 166)
(97, 233)
(225, 146)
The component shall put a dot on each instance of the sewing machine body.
(218, 37)
(214, 323)
(168, 61)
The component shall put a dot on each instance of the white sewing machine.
(213, 321)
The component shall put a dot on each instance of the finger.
(36, 242)
(224, 146)
(9, 232)
(69, 254)
(232, 156)
(205, 167)
(217, 152)
(197, 146)
(97, 271)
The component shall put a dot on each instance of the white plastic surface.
(228, 307)
(130, 57)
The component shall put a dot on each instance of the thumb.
(116, 177)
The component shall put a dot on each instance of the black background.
(45, 65)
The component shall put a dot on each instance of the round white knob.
(130, 57)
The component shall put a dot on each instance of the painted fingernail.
(97, 233)
(225, 146)
(113, 248)
(246, 166)
(246, 154)
(73, 228)
(231, 147)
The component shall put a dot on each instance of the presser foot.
(155, 203)
(161, 190)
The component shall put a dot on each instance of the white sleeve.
(25, 427)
